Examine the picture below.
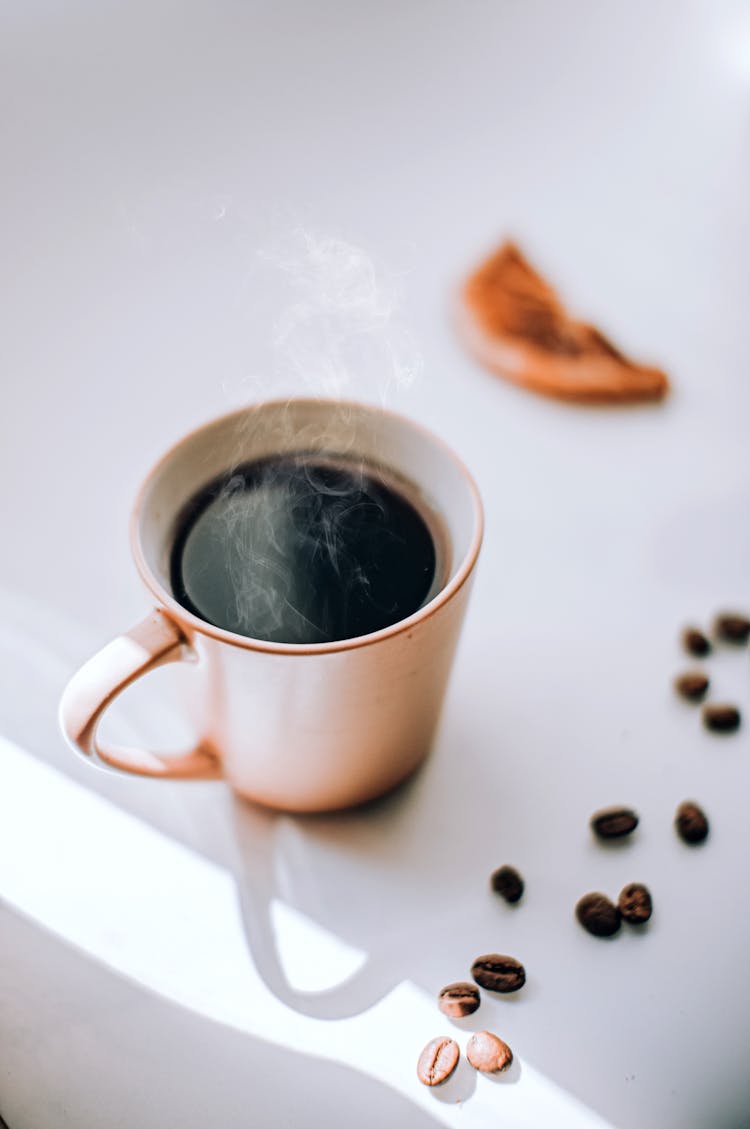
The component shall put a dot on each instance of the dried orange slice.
(515, 324)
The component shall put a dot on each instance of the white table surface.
(163, 164)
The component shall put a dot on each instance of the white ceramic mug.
(301, 727)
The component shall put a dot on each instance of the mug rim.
(196, 625)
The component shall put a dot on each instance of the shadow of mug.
(384, 878)
(257, 833)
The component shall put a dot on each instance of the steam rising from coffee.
(316, 545)
(336, 321)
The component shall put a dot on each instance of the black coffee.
(302, 549)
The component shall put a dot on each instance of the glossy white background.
(149, 152)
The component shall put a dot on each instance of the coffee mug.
(297, 726)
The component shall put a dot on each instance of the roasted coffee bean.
(691, 685)
(438, 1061)
(613, 823)
(721, 718)
(457, 1000)
(598, 915)
(691, 822)
(498, 973)
(508, 883)
(487, 1053)
(695, 642)
(732, 628)
(634, 903)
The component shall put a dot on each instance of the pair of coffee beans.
(690, 821)
(485, 1051)
(495, 972)
(729, 627)
(719, 717)
(602, 918)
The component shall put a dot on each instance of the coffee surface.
(302, 549)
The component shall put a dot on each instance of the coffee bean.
(732, 628)
(695, 642)
(498, 973)
(438, 1061)
(613, 823)
(508, 883)
(691, 822)
(721, 718)
(487, 1053)
(691, 685)
(634, 903)
(598, 915)
(457, 1000)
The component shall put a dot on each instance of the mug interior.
(425, 470)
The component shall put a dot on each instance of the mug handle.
(155, 641)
